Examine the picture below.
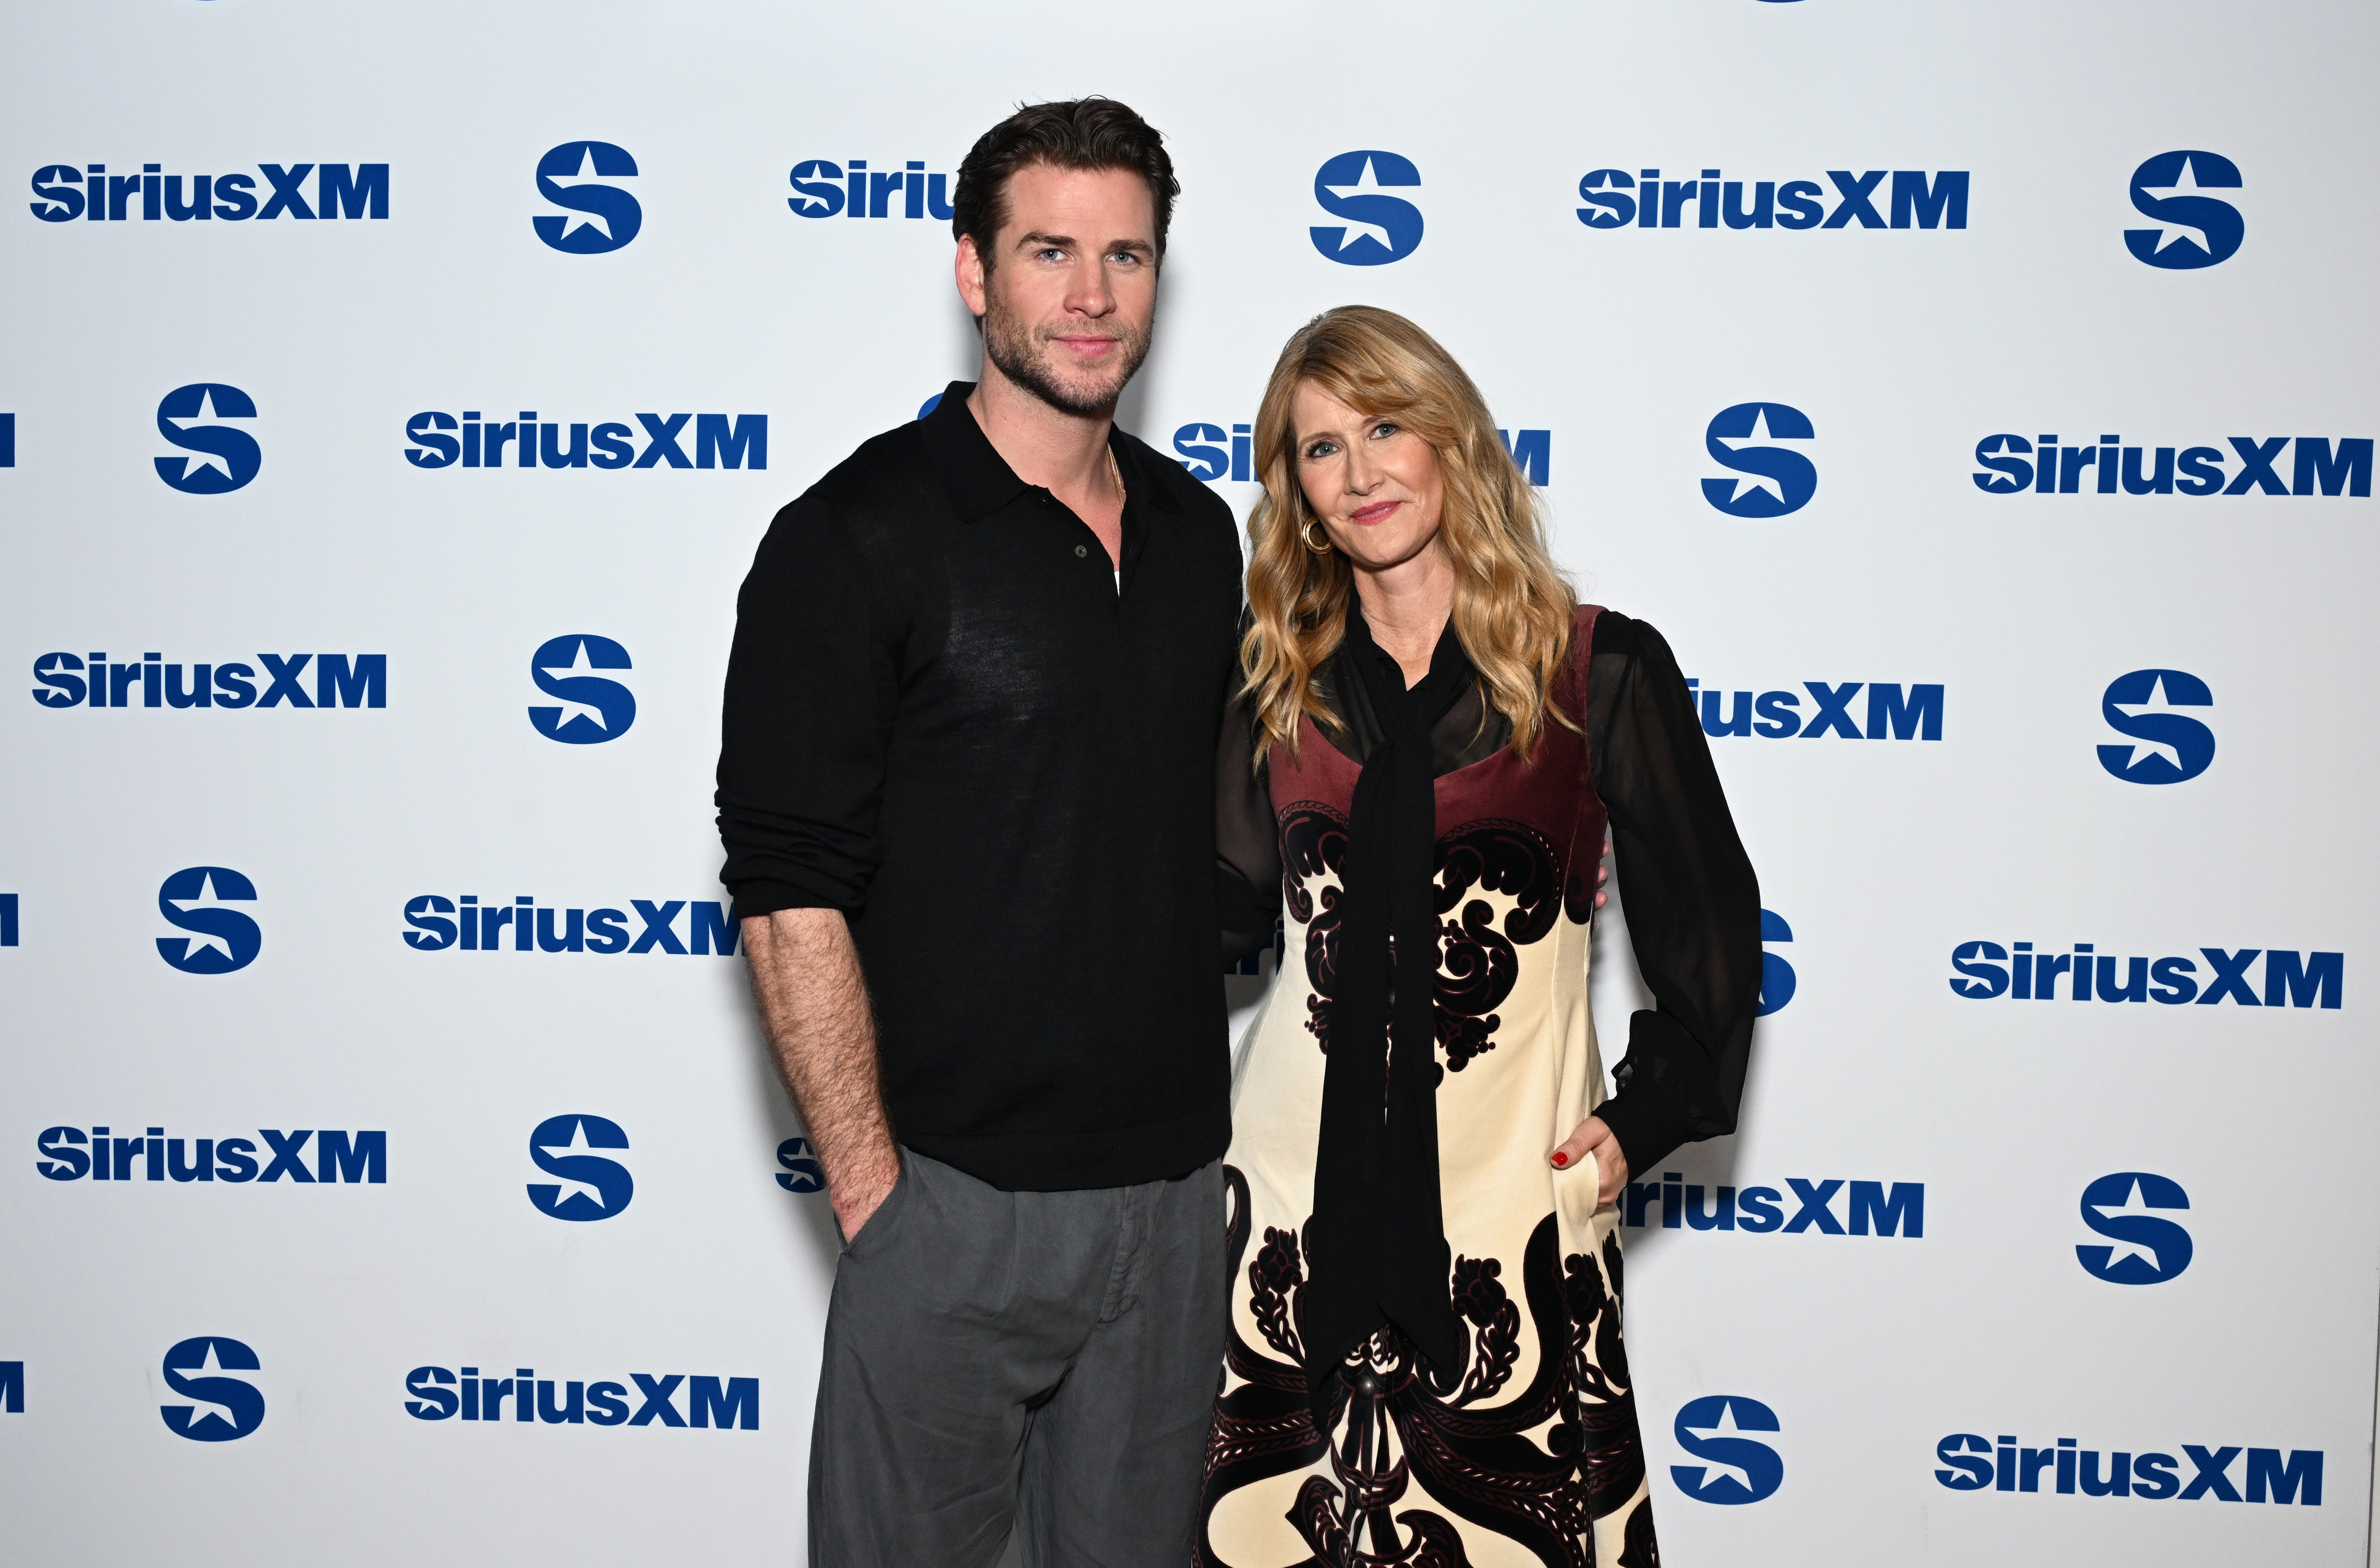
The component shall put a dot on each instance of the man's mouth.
(1086, 347)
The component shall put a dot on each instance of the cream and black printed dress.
(1449, 1388)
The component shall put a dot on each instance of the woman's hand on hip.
(1611, 1166)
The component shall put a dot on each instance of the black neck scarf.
(1378, 1238)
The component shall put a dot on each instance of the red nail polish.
(1560, 1159)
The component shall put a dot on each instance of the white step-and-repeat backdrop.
(1980, 397)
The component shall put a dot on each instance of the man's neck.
(1060, 452)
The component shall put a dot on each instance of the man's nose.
(1087, 292)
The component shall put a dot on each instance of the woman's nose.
(1362, 473)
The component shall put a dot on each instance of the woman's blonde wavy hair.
(1512, 606)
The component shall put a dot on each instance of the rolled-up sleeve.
(811, 684)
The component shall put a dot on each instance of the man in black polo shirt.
(966, 788)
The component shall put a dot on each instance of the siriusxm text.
(721, 440)
(2317, 465)
(355, 190)
(1211, 455)
(1891, 712)
(1616, 199)
(68, 1154)
(440, 922)
(340, 680)
(2290, 978)
(439, 1394)
(2269, 1476)
(1873, 1208)
(824, 188)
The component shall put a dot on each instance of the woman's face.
(1374, 484)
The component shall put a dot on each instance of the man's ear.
(970, 272)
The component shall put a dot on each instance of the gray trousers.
(1045, 1361)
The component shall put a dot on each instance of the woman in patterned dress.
(1425, 1363)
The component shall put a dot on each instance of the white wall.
(1902, 347)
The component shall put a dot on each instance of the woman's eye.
(1384, 430)
(1321, 449)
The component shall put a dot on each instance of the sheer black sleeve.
(1247, 848)
(1693, 903)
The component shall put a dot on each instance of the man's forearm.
(813, 1003)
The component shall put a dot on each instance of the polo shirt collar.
(980, 480)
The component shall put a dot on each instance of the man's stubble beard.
(1019, 351)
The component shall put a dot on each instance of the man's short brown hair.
(1082, 133)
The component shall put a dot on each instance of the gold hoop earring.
(1308, 534)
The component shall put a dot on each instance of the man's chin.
(1073, 391)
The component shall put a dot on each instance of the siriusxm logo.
(1899, 1210)
(802, 1171)
(719, 441)
(1375, 228)
(1777, 978)
(67, 1155)
(230, 457)
(1205, 453)
(358, 190)
(1734, 1468)
(725, 1403)
(1927, 202)
(2291, 979)
(1742, 440)
(12, 1387)
(199, 899)
(2192, 229)
(1209, 454)
(586, 1186)
(2142, 1249)
(2169, 747)
(592, 709)
(602, 217)
(218, 1408)
(1892, 712)
(825, 188)
(440, 922)
(341, 680)
(2294, 1478)
(2041, 467)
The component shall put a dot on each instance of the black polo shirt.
(944, 719)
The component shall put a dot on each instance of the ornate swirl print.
(1537, 1467)
(1314, 844)
(1478, 962)
(1478, 957)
